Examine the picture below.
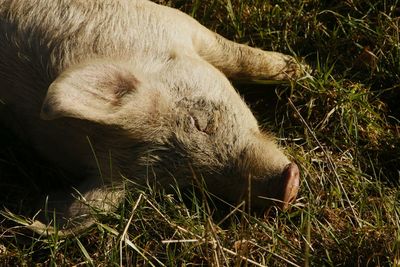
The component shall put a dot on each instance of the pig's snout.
(280, 190)
(290, 184)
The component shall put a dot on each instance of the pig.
(128, 92)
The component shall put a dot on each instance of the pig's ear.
(93, 91)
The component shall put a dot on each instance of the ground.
(342, 127)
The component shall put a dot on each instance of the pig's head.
(175, 121)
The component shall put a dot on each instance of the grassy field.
(342, 127)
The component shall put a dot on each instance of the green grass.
(342, 128)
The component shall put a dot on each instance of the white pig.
(127, 88)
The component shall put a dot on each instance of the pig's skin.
(147, 85)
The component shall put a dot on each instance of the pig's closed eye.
(200, 125)
(192, 121)
(195, 123)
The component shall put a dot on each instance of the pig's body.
(143, 86)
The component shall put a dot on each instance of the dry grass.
(341, 127)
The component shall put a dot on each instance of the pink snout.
(289, 186)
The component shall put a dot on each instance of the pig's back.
(39, 39)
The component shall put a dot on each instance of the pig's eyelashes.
(192, 121)
(195, 123)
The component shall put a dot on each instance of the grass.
(342, 128)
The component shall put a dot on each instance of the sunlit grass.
(342, 128)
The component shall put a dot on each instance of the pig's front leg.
(233, 59)
(73, 211)
(241, 61)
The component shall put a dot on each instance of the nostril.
(291, 184)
